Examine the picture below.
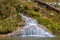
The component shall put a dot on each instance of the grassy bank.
(9, 17)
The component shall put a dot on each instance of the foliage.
(9, 18)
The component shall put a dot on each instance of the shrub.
(9, 17)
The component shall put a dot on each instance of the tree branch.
(47, 5)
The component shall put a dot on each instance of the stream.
(31, 29)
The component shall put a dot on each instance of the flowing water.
(32, 28)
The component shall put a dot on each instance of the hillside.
(10, 19)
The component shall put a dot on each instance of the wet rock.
(32, 28)
(15, 33)
(59, 4)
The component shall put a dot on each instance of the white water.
(32, 28)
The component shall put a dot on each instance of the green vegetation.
(9, 17)
(44, 16)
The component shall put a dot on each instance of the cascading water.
(32, 28)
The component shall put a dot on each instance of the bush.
(9, 17)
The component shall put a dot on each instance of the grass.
(9, 18)
(9, 24)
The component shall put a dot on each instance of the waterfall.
(32, 28)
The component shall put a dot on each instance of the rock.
(29, 0)
(52, 14)
(22, 23)
(14, 33)
(2, 36)
(59, 4)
